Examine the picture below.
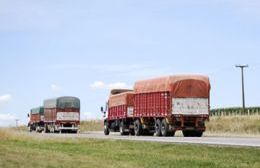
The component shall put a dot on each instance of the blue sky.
(84, 48)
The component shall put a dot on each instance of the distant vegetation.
(23, 150)
(235, 111)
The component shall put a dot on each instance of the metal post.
(16, 121)
(243, 86)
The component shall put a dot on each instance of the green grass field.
(19, 150)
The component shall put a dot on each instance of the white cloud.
(117, 85)
(5, 98)
(55, 88)
(98, 85)
(7, 120)
(103, 85)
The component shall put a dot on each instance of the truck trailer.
(62, 114)
(162, 106)
(36, 119)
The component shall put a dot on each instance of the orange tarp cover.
(180, 86)
(126, 98)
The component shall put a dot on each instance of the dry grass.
(93, 125)
(234, 125)
(12, 133)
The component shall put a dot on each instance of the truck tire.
(106, 128)
(30, 128)
(52, 129)
(165, 129)
(138, 128)
(122, 128)
(157, 128)
(187, 133)
(198, 133)
(148, 133)
(38, 129)
(132, 132)
(46, 130)
(172, 133)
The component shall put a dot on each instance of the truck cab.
(118, 112)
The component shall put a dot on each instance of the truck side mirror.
(28, 115)
(102, 109)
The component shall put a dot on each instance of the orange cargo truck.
(162, 106)
(167, 104)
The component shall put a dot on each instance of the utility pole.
(16, 121)
(243, 88)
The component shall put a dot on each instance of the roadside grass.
(18, 150)
(234, 125)
(92, 125)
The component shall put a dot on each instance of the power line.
(243, 87)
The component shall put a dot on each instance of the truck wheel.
(198, 133)
(192, 133)
(30, 128)
(41, 130)
(138, 128)
(122, 128)
(148, 133)
(132, 132)
(186, 133)
(172, 133)
(158, 128)
(52, 129)
(38, 129)
(46, 130)
(165, 128)
(106, 129)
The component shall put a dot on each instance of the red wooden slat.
(152, 104)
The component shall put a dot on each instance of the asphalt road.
(206, 140)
